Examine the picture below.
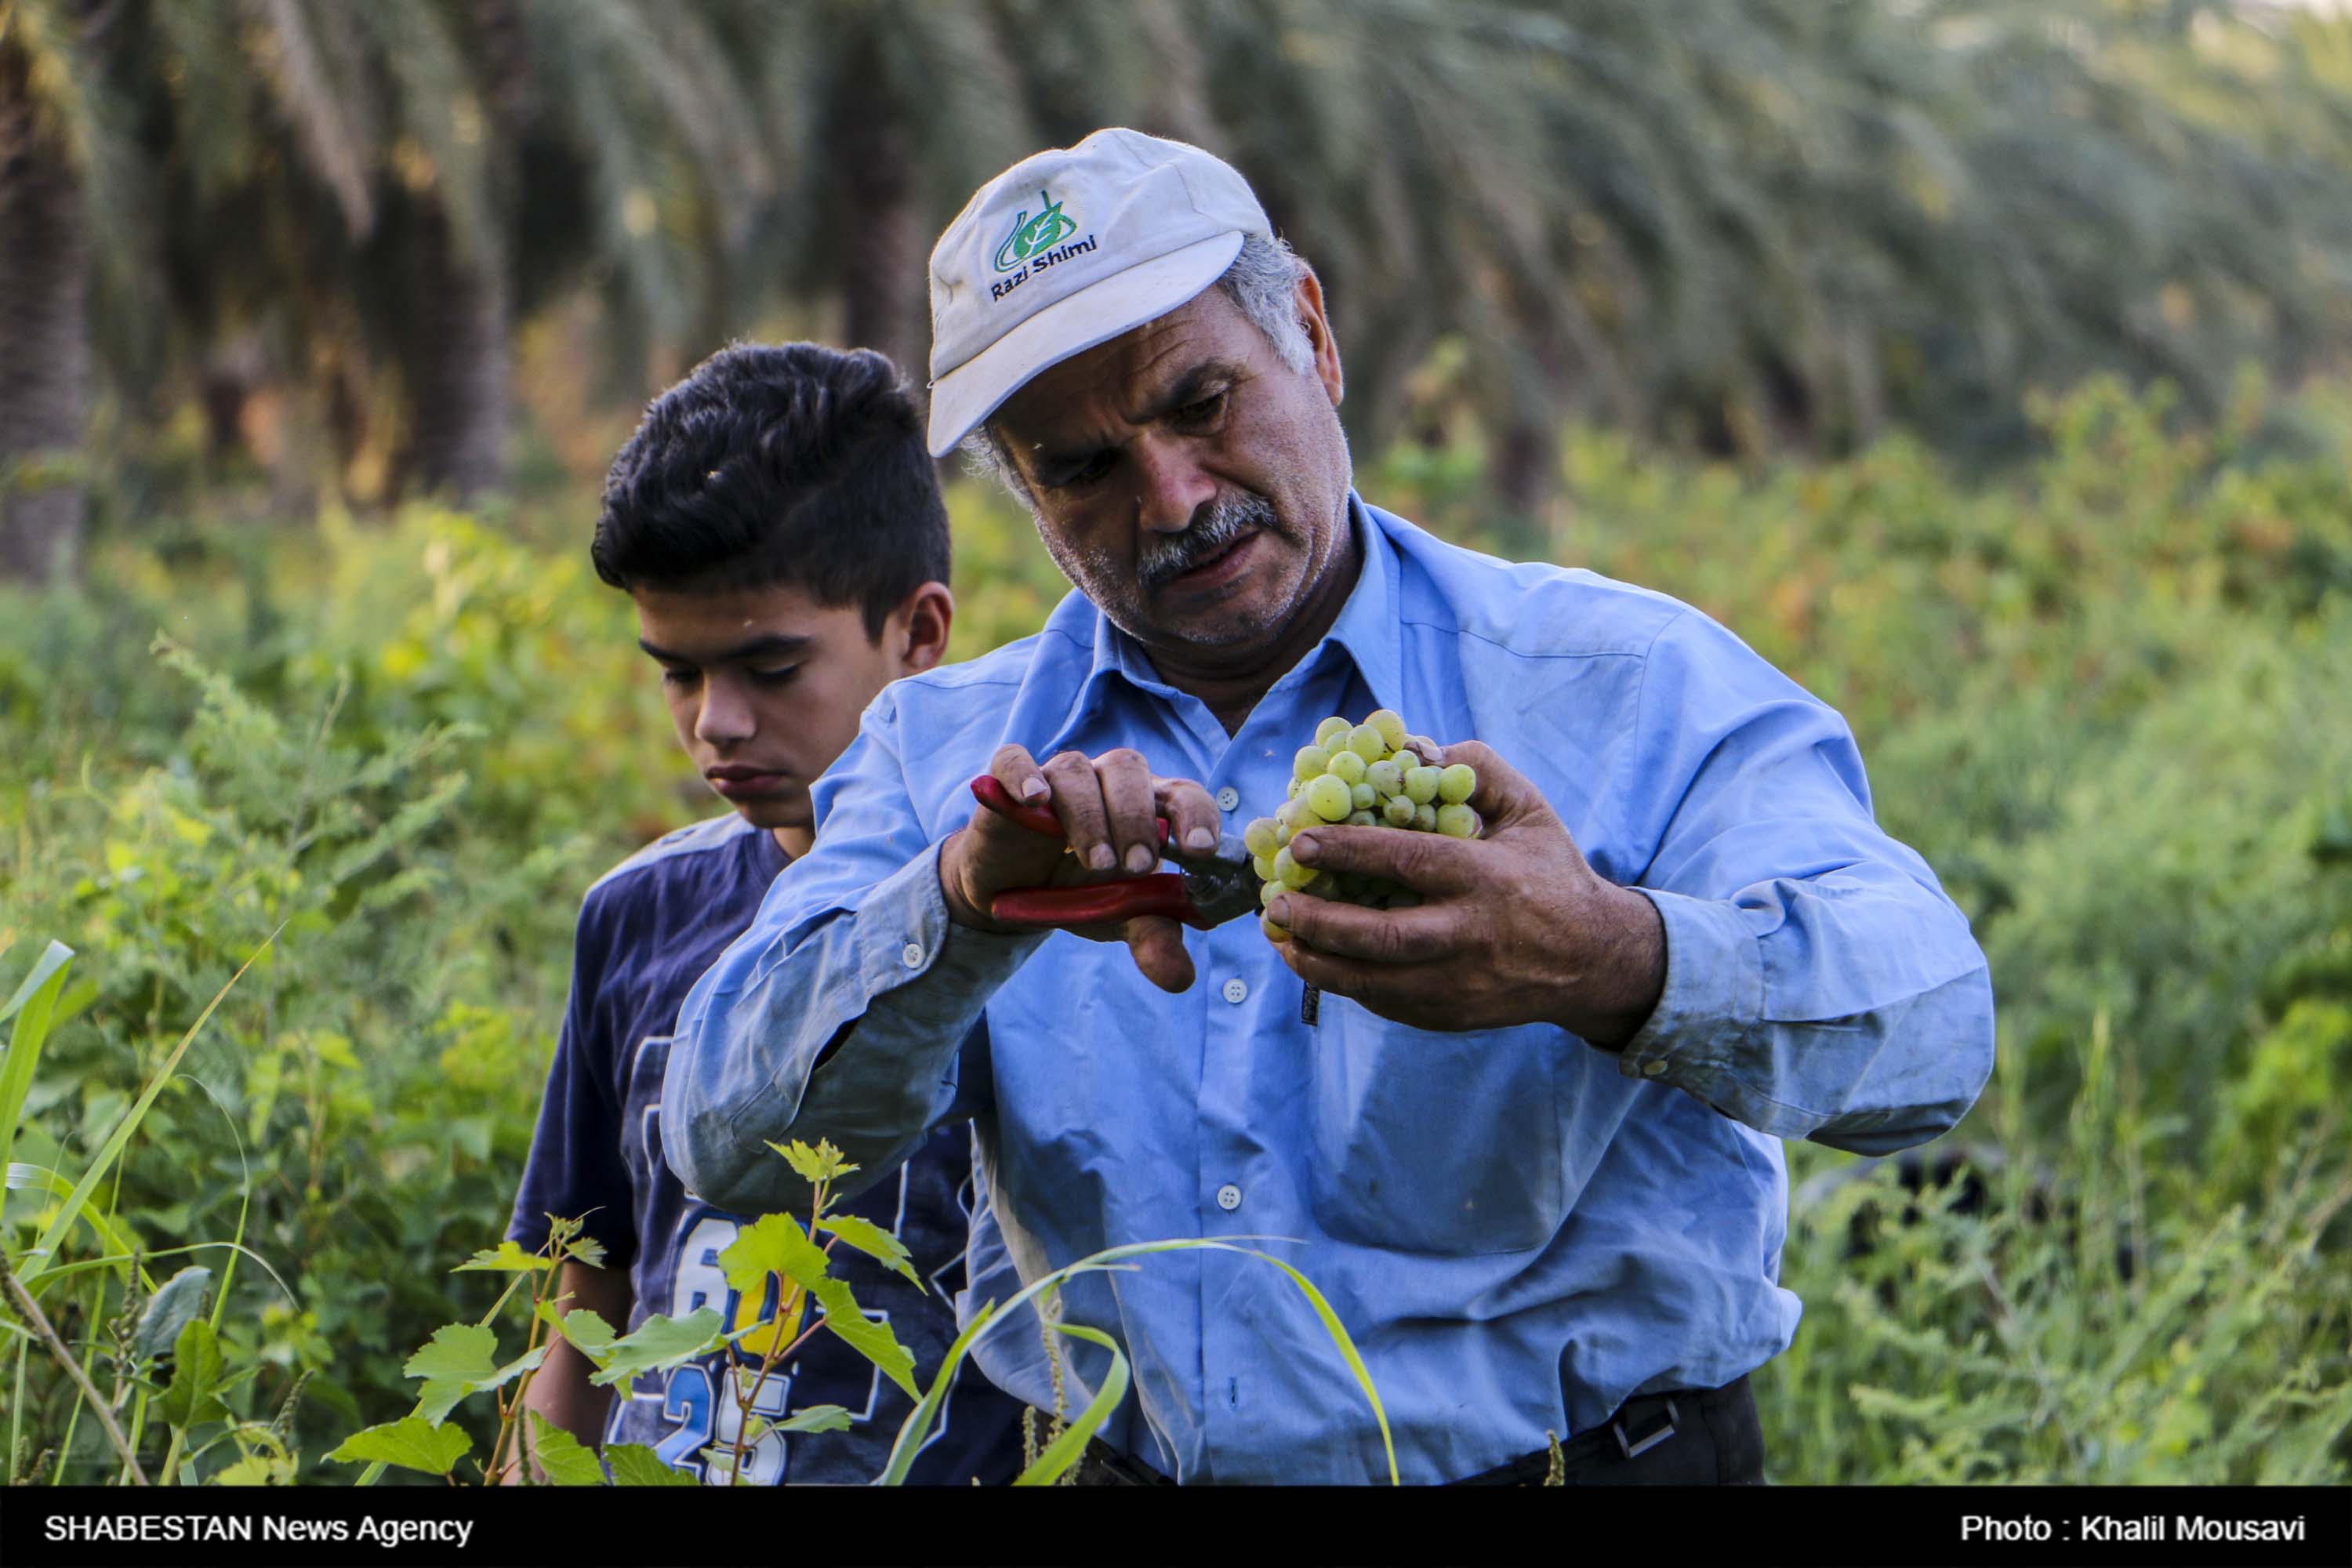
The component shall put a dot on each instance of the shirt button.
(1229, 1197)
(1235, 990)
(911, 955)
(1654, 1067)
(1228, 798)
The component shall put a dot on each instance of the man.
(779, 526)
(1526, 1141)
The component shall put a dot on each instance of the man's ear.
(1310, 299)
(915, 634)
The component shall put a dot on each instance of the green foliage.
(875, 1242)
(772, 1244)
(869, 1338)
(659, 1344)
(412, 1442)
(264, 1459)
(33, 1008)
(773, 1251)
(2143, 1328)
(1041, 1295)
(461, 1360)
(816, 1167)
(311, 755)
(1063, 1451)
(567, 1461)
(196, 1368)
(635, 1465)
(507, 1258)
(587, 1330)
(169, 1310)
(816, 1418)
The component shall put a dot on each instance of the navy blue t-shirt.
(647, 931)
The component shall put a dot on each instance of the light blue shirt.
(1520, 1231)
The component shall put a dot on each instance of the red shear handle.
(1039, 819)
(1100, 903)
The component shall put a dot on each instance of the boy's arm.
(559, 1390)
(573, 1172)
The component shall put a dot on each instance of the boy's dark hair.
(791, 463)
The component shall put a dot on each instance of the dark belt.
(1695, 1436)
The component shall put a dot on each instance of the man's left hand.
(1513, 928)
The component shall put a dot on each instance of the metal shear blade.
(1211, 889)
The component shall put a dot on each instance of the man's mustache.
(1218, 525)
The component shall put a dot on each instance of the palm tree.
(1796, 221)
(1735, 225)
(375, 194)
(881, 117)
(508, 149)
(45, 137)
(402, 120)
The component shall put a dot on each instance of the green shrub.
(2108, 1316)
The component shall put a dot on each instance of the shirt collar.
(1366, 630)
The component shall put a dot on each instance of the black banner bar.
(2015, 1527)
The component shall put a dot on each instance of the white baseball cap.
(1067, 250)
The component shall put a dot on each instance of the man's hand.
(1513, 928)
(1107, 806)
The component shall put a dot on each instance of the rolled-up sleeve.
(852, 949)
(1819, 983)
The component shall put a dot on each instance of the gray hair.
(1262, 284)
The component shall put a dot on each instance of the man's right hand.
(1107, 806)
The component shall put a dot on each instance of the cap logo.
(1035, 243)
(1031, 235)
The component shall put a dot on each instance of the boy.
(779, 526)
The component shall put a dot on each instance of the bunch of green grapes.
(1371, 774)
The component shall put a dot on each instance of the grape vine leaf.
(439, 1397)
(463, 1351)
(461, 1359)
(565, 1459)
(822, 1163)
(875, 1242)
(195, 1371)
(774, 1245)
(412, 1442)
(509, 1257)
(816, 1418)
(584, 1327)
(872, 1339)
(659, 1344)
(635, 1465)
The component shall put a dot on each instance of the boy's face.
(765, 686)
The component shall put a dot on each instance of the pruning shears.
(1214, 886)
